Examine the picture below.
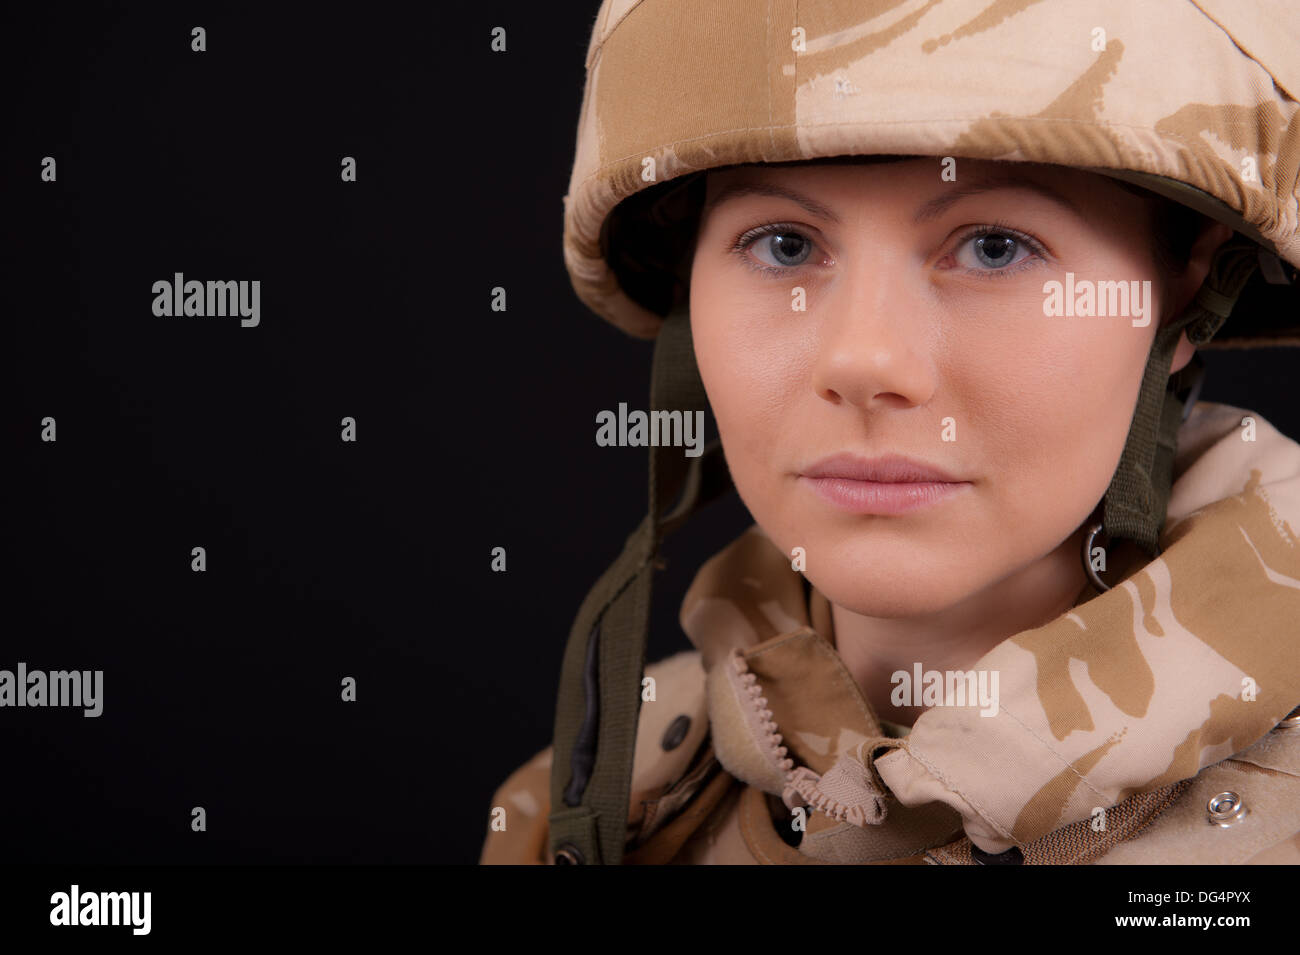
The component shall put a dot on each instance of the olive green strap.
(600, 682)
(1138, 497)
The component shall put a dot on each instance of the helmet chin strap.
(1136, 502)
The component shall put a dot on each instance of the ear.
(1183, 288)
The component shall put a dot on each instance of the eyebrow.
(937, 206)
(931, 209)
(738, 189)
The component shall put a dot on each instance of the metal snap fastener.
(676, 732)
(1012, 856)
(1226, 809)
(568, 854)
(1291, 721)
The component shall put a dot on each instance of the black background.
(325, 559)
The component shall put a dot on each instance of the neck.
(873, 648)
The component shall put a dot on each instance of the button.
(568, 854)
(1012, 856)
(676, 732)
(1226, 809)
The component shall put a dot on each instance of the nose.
(875, 341)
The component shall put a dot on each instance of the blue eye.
(990, 249)
(985, 250)
(786, 248)
(779, 247)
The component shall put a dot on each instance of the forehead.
(848, 167)
(986, 173)
(1073, 187)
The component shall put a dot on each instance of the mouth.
(884, 485)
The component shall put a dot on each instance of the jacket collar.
(1189, 660)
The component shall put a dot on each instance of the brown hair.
(1174, 228)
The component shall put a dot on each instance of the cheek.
(744, 358)
(1050, 401)
(751, 364)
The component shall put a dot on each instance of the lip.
(892, 484)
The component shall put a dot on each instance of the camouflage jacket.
(1151, 724)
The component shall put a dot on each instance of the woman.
(1012, 594)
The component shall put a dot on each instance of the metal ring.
(1292, 720)
(1087, 554)
(568, 854)
(1225, 809)
(1087, 562)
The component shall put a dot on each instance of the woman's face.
(922, 334)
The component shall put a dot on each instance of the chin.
(889, 578)
(891, 595)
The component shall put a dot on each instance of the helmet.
(1194, 100)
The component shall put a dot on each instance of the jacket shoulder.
(669, 766)
(1265, 781)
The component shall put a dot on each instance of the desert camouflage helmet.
(1195, 100)
(1192, 99)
